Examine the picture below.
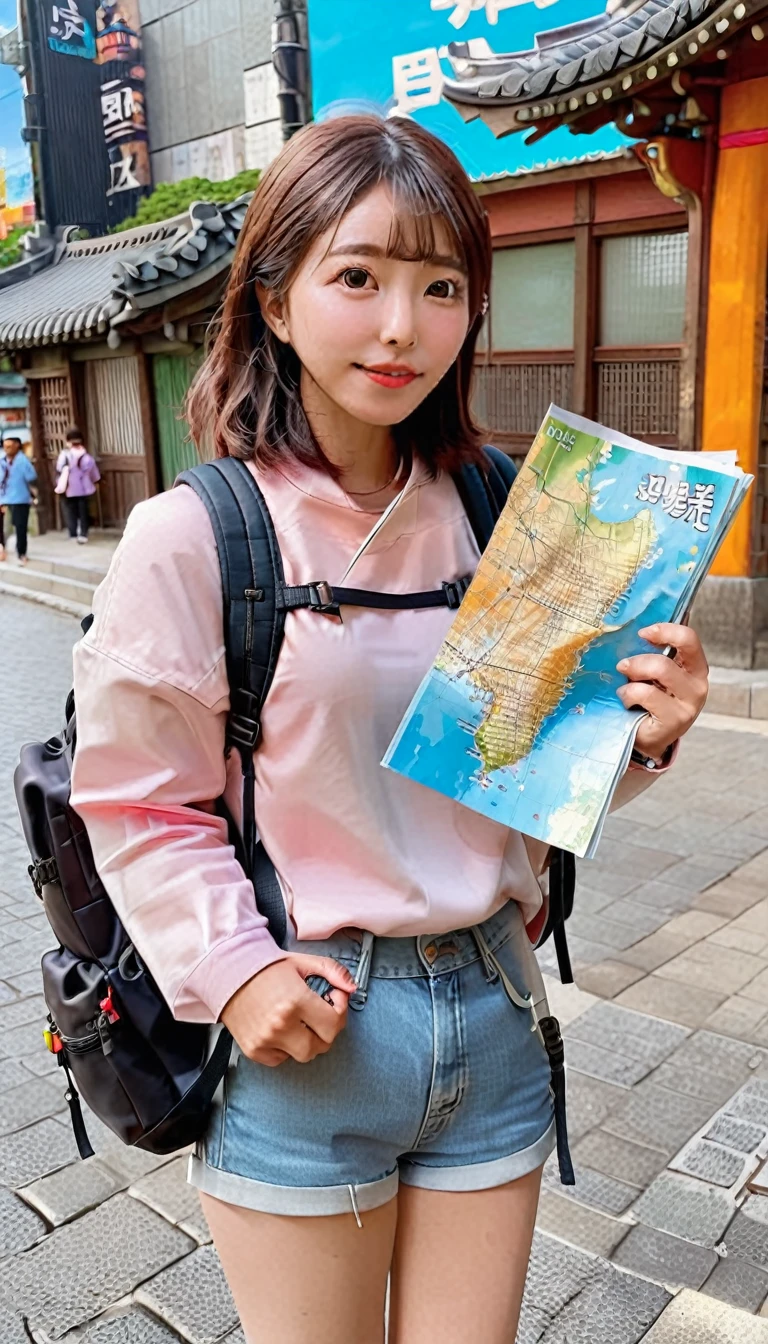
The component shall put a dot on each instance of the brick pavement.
(665, 1236)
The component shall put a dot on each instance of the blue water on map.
(580, 744)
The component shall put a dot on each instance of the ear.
(273, 312)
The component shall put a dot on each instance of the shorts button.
(430, 952)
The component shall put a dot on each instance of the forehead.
(394, 227)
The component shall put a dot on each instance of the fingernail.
(649, 630)
(623, 665)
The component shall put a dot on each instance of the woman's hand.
(673, 690)
(275, 1015)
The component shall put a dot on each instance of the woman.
(407, 1136)
(77, 478)
(17, 477)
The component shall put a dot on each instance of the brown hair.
(245, 398)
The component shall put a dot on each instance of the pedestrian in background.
(76, 478)
(17, 476)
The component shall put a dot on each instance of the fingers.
(325, 1020)
(689, 653)
(336, 975)
(641, 695)
(654, 667)
(669, 717)
(672, 690)
(270, 1058)
(275, 1015)
(331, 970)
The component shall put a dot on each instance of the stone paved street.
(664, 1238)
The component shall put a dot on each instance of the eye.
(443, 289)
(355, 277)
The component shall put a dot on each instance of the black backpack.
(147, 1076)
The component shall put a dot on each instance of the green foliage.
(170, 198)
(10, 247)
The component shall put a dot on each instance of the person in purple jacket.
(82, 476)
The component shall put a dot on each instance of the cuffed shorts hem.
(297, 1201)
(312, 1201)
(481, 1175)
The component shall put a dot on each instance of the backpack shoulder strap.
(251, 571)
(251, 575)
(501, 474)
(484, 492)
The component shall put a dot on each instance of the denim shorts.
(438, 1080)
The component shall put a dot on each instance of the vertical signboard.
(123, 113)
(87, 78)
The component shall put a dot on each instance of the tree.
(10, 247)
(171, 198)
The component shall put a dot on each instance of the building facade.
(85, 110)
(669, 315)
(108, 333)
(212, 87)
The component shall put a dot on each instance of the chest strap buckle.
(454, 592)
(322, 597)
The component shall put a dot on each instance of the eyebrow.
(373, 250)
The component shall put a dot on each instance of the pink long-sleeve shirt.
(353, 844)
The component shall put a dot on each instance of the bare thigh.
(461, 1260)
(305, 1280)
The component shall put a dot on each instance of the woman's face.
(375, 333)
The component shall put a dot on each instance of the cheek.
(326, 326)
(441, 337)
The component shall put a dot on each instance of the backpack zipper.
(75, 1045)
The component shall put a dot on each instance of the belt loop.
(359, 999)
(491, 973)
(520, 1000)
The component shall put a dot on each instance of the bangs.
(424, 227)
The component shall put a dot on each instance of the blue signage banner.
(391, 56)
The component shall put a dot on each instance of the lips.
(389, 375)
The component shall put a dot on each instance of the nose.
(398, 319)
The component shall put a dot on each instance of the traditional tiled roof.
(92, 287)
(573, 70)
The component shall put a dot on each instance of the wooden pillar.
(584, 301)
(148, 427)
(736, 313)
(46, 509)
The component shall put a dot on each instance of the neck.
(365, 455)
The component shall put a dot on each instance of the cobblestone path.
(665, 1237)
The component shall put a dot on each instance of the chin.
(391, 411)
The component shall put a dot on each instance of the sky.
(15, 154)
(355, 47)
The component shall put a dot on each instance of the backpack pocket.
(116, 1068)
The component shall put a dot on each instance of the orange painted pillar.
(738, 271)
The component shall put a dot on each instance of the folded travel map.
(602, 535)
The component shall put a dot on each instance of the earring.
(485, 305)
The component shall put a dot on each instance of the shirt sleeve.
(152, 700)
(30, 474)
(637, 779)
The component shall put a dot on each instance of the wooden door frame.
(49, 511)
